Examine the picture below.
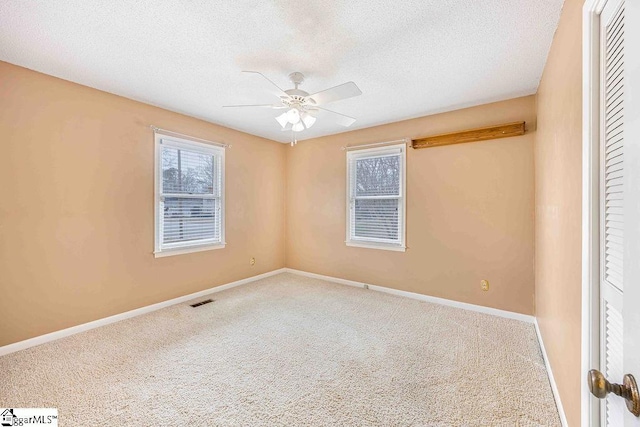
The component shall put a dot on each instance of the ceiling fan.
(301, 107)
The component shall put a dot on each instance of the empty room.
(329, 213)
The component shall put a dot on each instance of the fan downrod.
(296, 78)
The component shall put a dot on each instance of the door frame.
(590, 351)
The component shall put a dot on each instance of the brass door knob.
(600, 388)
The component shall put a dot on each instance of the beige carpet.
(291, 351)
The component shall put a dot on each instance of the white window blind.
(376, 198)
(190, 196)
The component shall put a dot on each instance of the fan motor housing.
(296, 94)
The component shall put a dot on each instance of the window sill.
(370, 245)
(187, 250)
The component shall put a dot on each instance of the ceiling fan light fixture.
(282, 119)
(298, 104)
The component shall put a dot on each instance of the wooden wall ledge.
(473, 135)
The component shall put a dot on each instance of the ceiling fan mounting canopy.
(301, 106)
(297, 78)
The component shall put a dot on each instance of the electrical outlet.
(484, 285)
(252, 261)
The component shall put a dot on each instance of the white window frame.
(402, 205)
(178, 248)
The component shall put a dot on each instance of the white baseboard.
(451, 303)
(552, 381)
(21, 345)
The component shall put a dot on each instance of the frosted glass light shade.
(308, 120)
(282, 119)
(293, 116)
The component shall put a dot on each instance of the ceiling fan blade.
(341, 119)
(274, 106)
(280, 91)
(336, 93)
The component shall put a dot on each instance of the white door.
(619, 201)
(631, 303)
(612, 175)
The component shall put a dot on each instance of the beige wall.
(76, 206)
(470, 211)
(558, 160)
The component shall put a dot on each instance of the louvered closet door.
(612, 201)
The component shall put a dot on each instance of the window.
(189, 196)
(376, 198)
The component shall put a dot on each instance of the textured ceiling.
(409, 58)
